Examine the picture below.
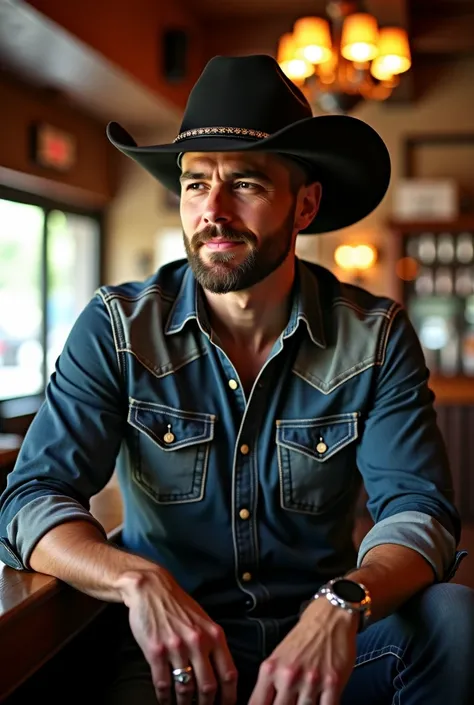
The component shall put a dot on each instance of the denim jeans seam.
(390, 650)
(397, 694)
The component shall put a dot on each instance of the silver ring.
(182, 675)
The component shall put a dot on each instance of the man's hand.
(173, 631)
(312, 665)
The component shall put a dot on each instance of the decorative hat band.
(211, 131)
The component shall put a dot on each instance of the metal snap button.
(321, 447)
(169, 437)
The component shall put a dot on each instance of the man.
(250, 394)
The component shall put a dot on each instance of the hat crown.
(248, 92)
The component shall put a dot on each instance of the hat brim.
(350, 160)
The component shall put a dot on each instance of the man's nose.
(218, 207)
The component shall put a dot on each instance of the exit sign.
(53, 148)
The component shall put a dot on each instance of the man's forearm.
(392, 574)
(77, 553)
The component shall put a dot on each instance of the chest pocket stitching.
(163, 481)
(205, 436)
(196, 417)
(319, 457)
(321, 422)
(301, 489)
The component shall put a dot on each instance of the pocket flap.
(170, 428)
(318, 438)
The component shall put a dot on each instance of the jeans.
(421, 655)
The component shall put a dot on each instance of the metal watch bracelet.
(363, 608)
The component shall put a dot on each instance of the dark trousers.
(422, 655)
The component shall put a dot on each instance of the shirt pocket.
(173, 451)
(316, 460)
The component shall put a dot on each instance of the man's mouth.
(223, 244)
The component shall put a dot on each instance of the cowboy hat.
(247, 104)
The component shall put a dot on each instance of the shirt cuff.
(39, 516)
(418, 531)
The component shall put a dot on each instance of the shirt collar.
(306, 307)
(188, 306)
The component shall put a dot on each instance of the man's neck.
(256, 317)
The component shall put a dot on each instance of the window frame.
(16, 413)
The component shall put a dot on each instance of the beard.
(223, 274)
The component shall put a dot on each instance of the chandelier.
(356, 61)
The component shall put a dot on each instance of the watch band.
(361, 607)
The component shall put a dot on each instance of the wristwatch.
(348, 595)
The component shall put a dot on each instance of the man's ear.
(309, 198)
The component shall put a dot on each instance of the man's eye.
(245, 185)
(195, 186)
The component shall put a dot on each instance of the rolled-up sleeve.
(403, 459)
(70, 449)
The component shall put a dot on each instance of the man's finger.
(310, 689)
(205, 677)
(330, 694)
(179, 659)
(264, 692)
(161, 675)
(224, 667)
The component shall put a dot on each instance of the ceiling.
(211, 9)
(444, 27)
(30, 46)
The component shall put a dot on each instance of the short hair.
(301, 172)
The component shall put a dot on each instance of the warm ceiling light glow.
(359, 37)
(313, 39)
(344, 59)
(380, 71)
(355, 256)
(295, 68)
(344, 257)
(365, 256)
(394, 50)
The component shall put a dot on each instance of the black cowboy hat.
(248, 104)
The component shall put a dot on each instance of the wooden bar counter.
(39, 615)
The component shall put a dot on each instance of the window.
(49, 270)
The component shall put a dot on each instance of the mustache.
(211, 232)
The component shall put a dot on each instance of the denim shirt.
(248, 501)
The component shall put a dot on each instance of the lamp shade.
(292, 65)
(359, 37)
(313, 39)
(380, 70)
(394, 50)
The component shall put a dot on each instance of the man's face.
(238, 213)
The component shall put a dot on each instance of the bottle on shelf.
(427, 248)
(465, 248)
(424, 283)
(443, 281)
(445, 248)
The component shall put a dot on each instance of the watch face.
(348, 590)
